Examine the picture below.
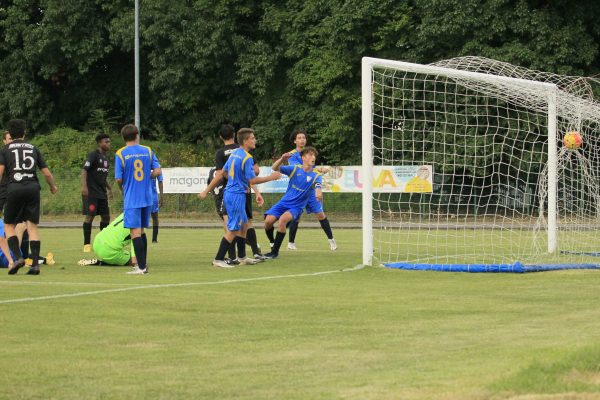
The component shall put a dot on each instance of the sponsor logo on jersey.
(19, 176)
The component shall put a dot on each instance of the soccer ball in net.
(572, 140)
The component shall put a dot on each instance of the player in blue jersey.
(157, 201)
(227, 135)
(299, 137)
(240, 173)
(135, 166)
(304, 180)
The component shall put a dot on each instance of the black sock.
(327, 228)
(241, 246)
(13, 245)
(145, 241)
(222, 249)
(231, 250)
(35, 252)
(252, 241)
(278, 241)
(269, 233)
(293, 230)
(87, 232)
(103, 224)
(25, 245)
(155, 232)
(138, 246)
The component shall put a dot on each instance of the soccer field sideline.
(161, 286)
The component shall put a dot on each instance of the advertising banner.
(347, 179)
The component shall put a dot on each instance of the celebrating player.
(135, 166)
(303, 182)
(112, 246)
(239, 169)
(94, 189)
(299, 137)
(21, 161)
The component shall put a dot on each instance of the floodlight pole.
(137, 63)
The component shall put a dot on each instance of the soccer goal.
(464, 167)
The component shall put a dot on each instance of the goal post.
(489, 134)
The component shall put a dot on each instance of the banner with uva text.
(386, 179)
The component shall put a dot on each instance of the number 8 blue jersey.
(239, 169)
(133, 165)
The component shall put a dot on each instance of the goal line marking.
(175, 285)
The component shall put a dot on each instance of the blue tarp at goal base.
(495, 268)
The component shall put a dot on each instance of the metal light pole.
(137, 64)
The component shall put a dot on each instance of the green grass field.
(305, 326)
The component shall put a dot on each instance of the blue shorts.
(281, 208)
(235, 204)
(137, 217)
(3, 261)
(314, 206)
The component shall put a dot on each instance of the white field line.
(175, 285)
(50, 283)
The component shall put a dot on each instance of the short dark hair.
(16, 128)
(243, 134)
(101, 136)
(297, 132)
(129, 132)
(309, 149)
(226, 132)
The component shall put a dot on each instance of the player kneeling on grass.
(7, 258)
(112, 246)
(303, 179)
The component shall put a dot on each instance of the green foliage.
(65, 150)
(266, 64)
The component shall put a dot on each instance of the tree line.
(272, 65)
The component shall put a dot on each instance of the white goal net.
(502, 187)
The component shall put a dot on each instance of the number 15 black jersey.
(21, 161)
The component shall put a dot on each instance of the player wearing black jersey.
(95, 189)
(21, 161)
(21, 228)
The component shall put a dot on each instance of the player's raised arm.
(282, 159)
(262, 179)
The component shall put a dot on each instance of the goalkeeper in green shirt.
(112, 246)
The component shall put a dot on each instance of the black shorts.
(93, 206)
(22, 204)
(2, 203)
(220, 205)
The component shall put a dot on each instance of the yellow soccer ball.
(572, 140)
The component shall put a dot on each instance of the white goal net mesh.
(485, 139)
